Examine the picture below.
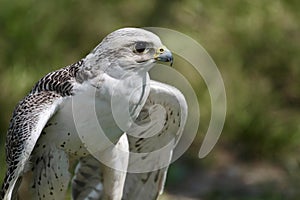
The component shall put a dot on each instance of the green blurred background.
(255, 44)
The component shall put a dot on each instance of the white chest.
(95, 118)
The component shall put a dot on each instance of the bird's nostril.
(161, 50)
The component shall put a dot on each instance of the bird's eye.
(140, 47)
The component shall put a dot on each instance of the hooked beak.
(163, 54)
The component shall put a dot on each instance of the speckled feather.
(31, 157)
(53, 86)
(149, 185)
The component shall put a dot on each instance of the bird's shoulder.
(35, 109)
(60, 81)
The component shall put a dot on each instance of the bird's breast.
(95, 118)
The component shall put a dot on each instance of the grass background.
(255, 44)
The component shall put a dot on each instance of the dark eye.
(140, 47)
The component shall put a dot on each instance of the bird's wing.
(152, 140)
(28, 120)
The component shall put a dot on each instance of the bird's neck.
(126, 86)
(129, 93)
(116, 83)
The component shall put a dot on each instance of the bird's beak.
(163, 54)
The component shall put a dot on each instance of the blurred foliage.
(255, 44)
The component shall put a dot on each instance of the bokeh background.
(255, 44)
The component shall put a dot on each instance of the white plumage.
(104, 113)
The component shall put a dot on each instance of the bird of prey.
(43, 139)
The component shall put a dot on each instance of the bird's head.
(129, 50)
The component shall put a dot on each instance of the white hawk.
(43, 137)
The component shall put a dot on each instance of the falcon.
(52, 141)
